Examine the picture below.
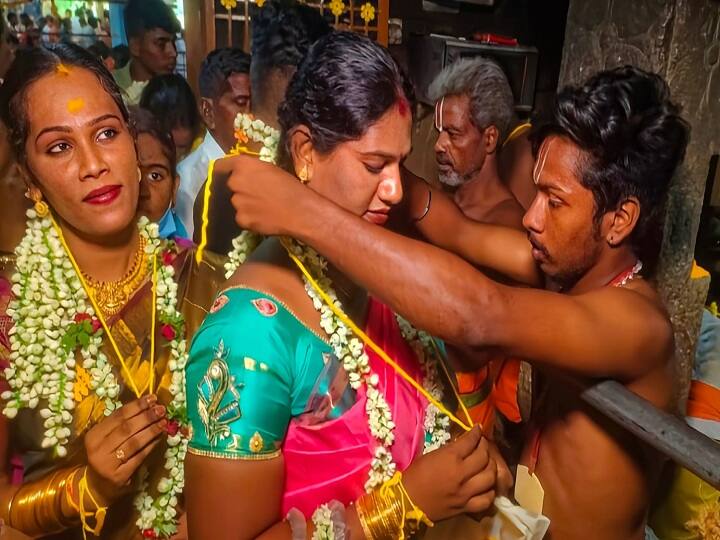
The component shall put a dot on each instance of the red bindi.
(403, 106)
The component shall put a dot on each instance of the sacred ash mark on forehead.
(540, 161)
(439, 114)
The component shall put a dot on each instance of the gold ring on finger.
(120, 454)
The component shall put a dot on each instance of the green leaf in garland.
(69, 342)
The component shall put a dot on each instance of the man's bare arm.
(502, 249)
(608, 333)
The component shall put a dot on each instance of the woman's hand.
(117, 445)
(457, 478)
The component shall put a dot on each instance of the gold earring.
(304, 176)
(41, 207)
(139, 175)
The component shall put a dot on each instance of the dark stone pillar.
(680, 40)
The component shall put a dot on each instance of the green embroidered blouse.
(252, 368)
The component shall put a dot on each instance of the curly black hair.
(170, 98)
(282, 34)
(218, 66)
(345, 84)
(633, 139)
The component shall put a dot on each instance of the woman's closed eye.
(554, 202)
(374, 168)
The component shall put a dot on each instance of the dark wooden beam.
(664, 432)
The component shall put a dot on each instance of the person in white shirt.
(224, 93)
(151, 28)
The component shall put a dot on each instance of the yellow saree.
(129, 320)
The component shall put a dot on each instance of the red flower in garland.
(173, 426)
(94, 321)
(168, 257)
(168, 332)
(149, 533)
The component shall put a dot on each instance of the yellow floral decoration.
(260, 3)
(337, 7)
(229, 4)
(367, 13)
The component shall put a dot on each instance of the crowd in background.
(84, 27)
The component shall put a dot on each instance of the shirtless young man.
(473, 110)
(604, 166)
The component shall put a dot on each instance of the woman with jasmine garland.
(102, 311)
(301, 415)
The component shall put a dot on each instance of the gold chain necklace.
(111, 296)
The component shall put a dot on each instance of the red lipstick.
(103, 195)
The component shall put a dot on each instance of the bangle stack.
(36, 508)
(388, 513)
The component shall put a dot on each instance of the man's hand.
(264, 196)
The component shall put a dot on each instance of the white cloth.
(193, 172)
(509, 522)
(513, 522)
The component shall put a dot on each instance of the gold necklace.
(111, 296)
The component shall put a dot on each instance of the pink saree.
(331, 461)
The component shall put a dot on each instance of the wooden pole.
(208, 15)
(664, 432)
(230, 28)
(246, 36)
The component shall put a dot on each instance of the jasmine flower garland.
(351, 352)
(53, 319)
(247, 129)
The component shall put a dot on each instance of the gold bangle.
(380, 513)
(389, 513)
(36, 507)
(361, 509)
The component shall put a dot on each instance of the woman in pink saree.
(303, 424)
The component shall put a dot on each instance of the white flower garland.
(159, 515)
(243, 246)
(351, 351)
(437, 424)
(323, 524)
(48, 298)
(47, 295)
(257, 131)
